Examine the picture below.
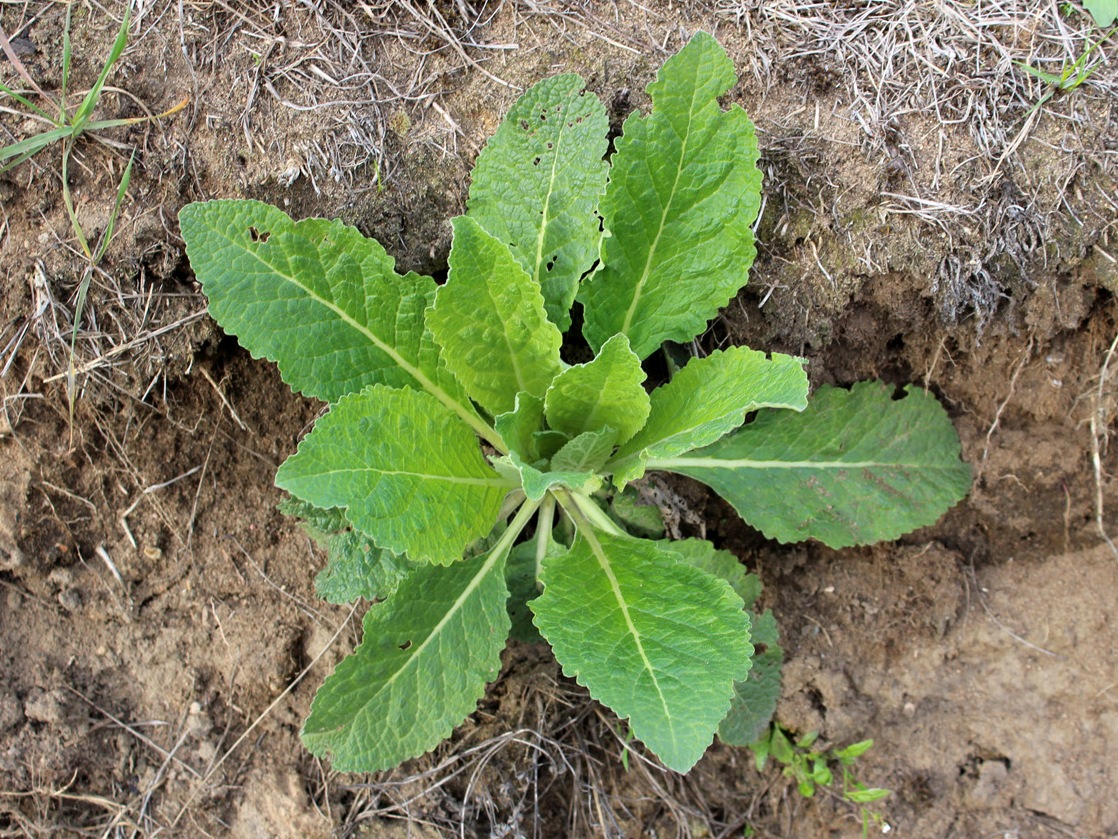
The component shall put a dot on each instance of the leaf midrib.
(646, 273)
(445, 398)
(603, 562)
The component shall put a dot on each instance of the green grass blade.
(90, 101)
(107, 236)
(66, 56)
(32, 144)
(70, 204)
(27, 103)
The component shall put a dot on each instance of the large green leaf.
(427, 654)
(684, 190)
(537, 183)
(856, 467)
(709, 398)
(316, 297)
(604, 392)
(658, 641)
(407, 472)
(490, 321)
(355, 567)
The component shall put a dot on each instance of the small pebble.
(71, 599)
(909, 709)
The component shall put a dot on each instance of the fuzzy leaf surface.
(426, 656)
(407, 472)
(604, 392)
(658, 641)
(856, 467)
(707, 399)
(684, 190)
(355, 567)
(316, 297)
(489, 319)
(537, 184)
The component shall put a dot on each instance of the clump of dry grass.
(916, 76)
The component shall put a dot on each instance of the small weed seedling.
(461, 543)
(812, 768)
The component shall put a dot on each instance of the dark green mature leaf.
(489, 319)
(856, 467)
(604, 392)
(537, 183)
(684, 190)
(316, 297)
(356, 567)
(427, 654)
(406, 470)
(756, 697)
(719, 563)
(709, 398)
(658, 641)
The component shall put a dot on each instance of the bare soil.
(160, 640)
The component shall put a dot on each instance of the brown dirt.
(157, 613)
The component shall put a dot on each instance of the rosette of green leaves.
(463, 457)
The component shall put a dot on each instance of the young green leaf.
(318, 298)
(856, 467)
(658, 641)
(407, 471)
(520, 426)
(490, 321)
(536, 482)
(537, 183)
(604, 392)
(587, 452)
(709, 398)
(684, 190)
(355, 566)
(427, 654)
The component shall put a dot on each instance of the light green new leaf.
(355, 566)
(587, 452)
(537, 183)
(318, 298)
(427, 654)
(537, 481)
(684, 190)
(856, 467)
(605, 391)
(490, 321)
(407, 472)
(658, 641)
(518, 427)
(709, 398)
(756, 697)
